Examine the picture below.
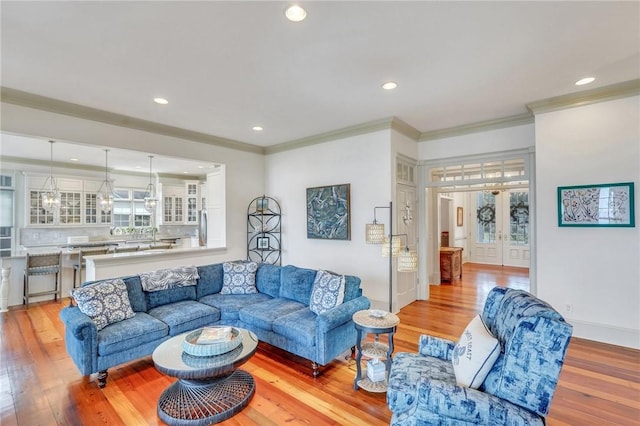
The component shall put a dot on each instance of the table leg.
(204, 402)
(358, 358)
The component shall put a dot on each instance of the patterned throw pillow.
(164, 279)
(474, 354)
(327, 292)
(105, 302)
(239, 278)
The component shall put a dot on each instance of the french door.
(500, 234)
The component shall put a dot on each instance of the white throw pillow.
(474, 354)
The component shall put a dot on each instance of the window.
(128, 208)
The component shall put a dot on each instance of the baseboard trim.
(620, 336)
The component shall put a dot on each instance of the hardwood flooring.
(40, 385)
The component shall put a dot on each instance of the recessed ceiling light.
(585, 80)
(295, 13)
(186, 173)
(73, 159)
(257, 129)
(390, 85)
(161, 101)
(201, 167)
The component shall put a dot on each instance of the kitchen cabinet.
(192, 193)
(70, 211)
(172, 204)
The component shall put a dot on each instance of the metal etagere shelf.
(264, 243)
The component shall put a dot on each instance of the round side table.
(376, 323)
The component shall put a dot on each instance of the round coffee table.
(209, 389)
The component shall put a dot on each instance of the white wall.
(507, 139)
(244, 171)
(363, 162)
(596, 270)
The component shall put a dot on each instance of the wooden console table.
(450, 264)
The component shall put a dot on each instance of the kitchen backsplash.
(30, 237)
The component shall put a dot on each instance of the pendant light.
(50, 197)
(105, 193)
(150, 200)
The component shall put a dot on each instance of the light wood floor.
(39, 384)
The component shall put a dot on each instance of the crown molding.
(404, 128)
(481, 126)
(358, 129)
(587, 97)
(30, 100)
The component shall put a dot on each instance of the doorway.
(499, 234)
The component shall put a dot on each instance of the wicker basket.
(190, 346)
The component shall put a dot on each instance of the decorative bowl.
(377, 313)
(190, 346)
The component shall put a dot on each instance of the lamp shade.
(407, 261)
(375, 233)
(395, 247)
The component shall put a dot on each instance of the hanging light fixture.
(150, 200)
(105, 193)
(50, 197)
(396, 245)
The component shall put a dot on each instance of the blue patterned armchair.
(533, 339)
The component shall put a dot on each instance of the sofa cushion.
(130, 333)
(265, 313)
(164, 279)
(136, 295)
(474, 354)
(210, 281)
(268, 279)
(185, 316)
(105, 302)
(239, 278)
(231, 304)
(299, 326)
(327, 292)
(352, 288)
(296, 283)
(172, 295)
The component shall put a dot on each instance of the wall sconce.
(392, 246)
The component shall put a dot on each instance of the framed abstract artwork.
(607, 205)
(328, 212)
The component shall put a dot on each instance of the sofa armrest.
(341, 314)
(81, 339)
(436, 347)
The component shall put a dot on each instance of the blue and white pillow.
(474, 354)
(105, 302)
(239, 278)
(327, 292)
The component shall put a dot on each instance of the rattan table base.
(204, 402)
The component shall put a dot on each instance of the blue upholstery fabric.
(299, 326)
(351, 288)
(519, 388)
(136, 295)
(210, 281)
(130, 333)
(185, 316)
(268, 279)
(264, 314)
(172, 295)
(299, 282)
(231, 304)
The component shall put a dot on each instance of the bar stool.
(82, 262)
(42, 264)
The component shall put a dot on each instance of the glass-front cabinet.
(172, 204)
(70, 211)
(192, 191)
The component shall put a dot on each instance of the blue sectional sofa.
(278, 313)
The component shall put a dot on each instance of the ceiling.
(228, 66)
